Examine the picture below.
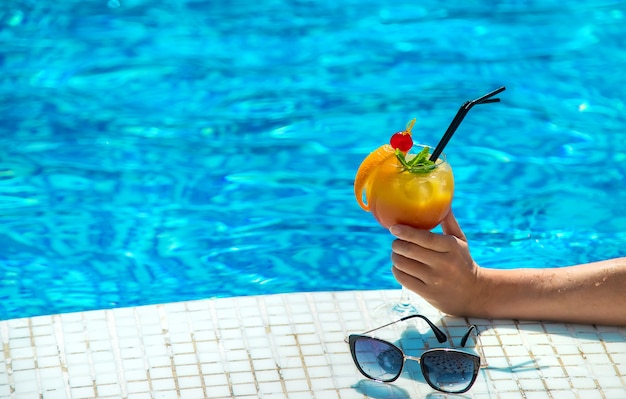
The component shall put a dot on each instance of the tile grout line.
(144, 357)
(576, 338)
(244, 337)
(523, 334)
(4, 331)
(168, 344)
(319, 331)
(117, 355)
(272, 342)
(35, 359)
(558, 358)
(602, 342)
(610, 355)
(89, 354)
(524, 338)
(60, 341)
(295, 336)
(612, 358)
(220, 345)
(192, 332)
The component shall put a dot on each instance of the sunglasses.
(447, 370)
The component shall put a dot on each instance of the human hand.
(438, 267)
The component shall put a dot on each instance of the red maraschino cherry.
(402, 140)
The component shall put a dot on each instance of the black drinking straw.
(459, 118)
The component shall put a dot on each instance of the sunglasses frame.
(441, 337)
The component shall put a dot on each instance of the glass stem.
(405, 299)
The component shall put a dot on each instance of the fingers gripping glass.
(445, 369)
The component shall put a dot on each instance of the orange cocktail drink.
(419, 199)
(399, 184)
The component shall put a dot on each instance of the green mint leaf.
(421, 157)
(418, 164)
(402, 159)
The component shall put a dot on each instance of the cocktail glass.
(418, 197)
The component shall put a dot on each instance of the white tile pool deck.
(288, 346)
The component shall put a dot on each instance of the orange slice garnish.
(367, 169)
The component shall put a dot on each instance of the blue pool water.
(157, 151)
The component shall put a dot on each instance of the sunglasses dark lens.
(450, 371)
(377, 359)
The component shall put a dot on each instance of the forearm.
(593, 293)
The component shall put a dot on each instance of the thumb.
(450, 226)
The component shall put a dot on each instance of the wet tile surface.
(289, 346)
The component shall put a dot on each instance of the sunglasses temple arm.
(483, 359)
(441, 337)
(383, 326)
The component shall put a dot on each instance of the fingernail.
(395, 229)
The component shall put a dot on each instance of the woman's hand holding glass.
(437, 267)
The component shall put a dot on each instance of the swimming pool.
(163, 151)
